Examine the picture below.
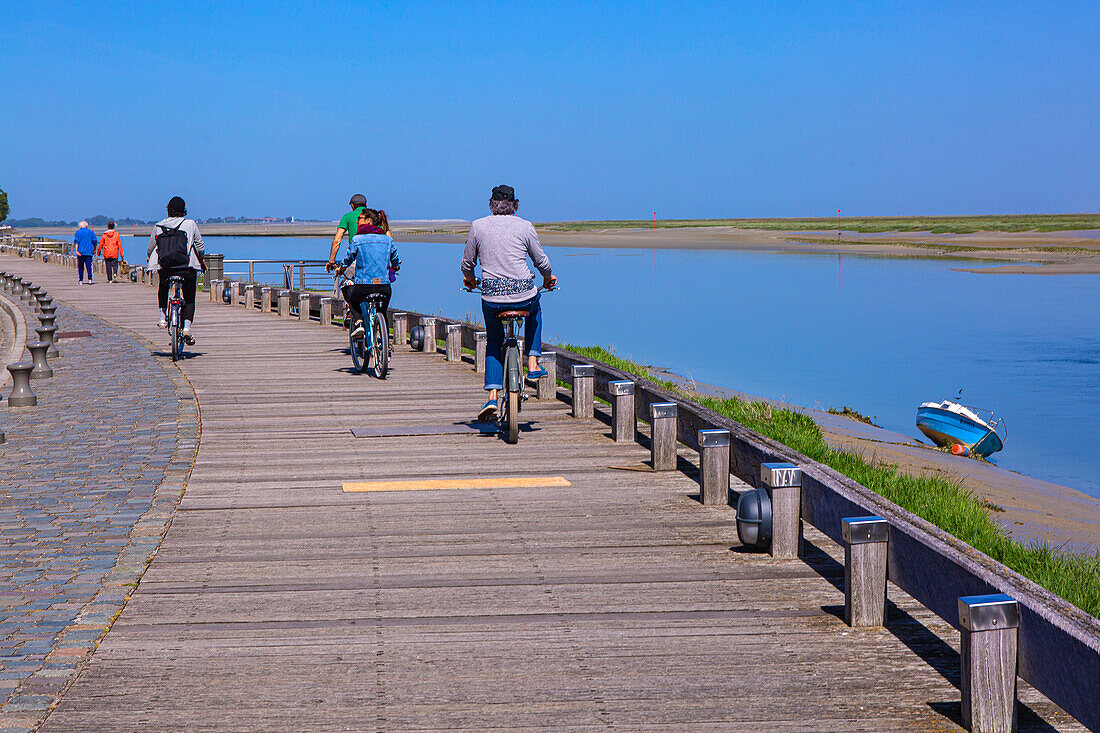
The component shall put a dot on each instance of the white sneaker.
(188, 338)
(163, 323)
(359, 331)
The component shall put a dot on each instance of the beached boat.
(948, 423)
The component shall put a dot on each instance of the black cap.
(358, 200)
(503, 193)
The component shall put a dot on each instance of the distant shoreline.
(1063, 252)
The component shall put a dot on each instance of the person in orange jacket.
(110, 246)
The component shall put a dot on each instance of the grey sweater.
(196, 247)
(502, 245)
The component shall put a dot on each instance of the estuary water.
(880, 335)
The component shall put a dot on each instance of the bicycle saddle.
(512, 314)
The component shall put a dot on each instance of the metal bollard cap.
(583, 370)
(620, 388)
(717, 438)
(454, 327)
(658, 410)
(989, 612)
(780, 475)
(862, 530)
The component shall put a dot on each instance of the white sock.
(187, 325)
(163, 315)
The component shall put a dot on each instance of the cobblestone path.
(83, 505)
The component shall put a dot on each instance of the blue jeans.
(82, 262)
(494, 338)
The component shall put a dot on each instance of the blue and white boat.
(948, 423)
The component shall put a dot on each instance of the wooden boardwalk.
(278, 601)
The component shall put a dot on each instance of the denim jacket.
(373, 254)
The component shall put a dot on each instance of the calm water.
(880, 335)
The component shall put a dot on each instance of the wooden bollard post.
(865, 546)
(548, 385)
(989, 626)
(216, 288)
(662, 446)
(479, 351)
(235, 294)
(326, 311)
(303, 307)
(265, 300)
(714, 467)
(250, 296)
(284, 304)
(400, 328)
(623, 421)
(428, 324)
(584, 390)
(783, 482)
(454, 342)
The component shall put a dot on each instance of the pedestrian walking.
(110, 246)
(85, 242)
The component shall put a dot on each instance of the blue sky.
(591, 110)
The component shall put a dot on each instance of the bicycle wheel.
(512, 385)
(358, 345)
(174, 337)
(380, 346)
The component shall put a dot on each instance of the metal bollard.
(623, 421)
(265, 300)
(284, 304)
(249, 296)
(548, 385)
(584, 390)
(21, 394)
(479, 351)
(989, 627)
(28, 293)
(662, 445)
(400, 328)
(303, 307)
(454, 342)
(783, 482)
(48, 333)
(326, 311)
(865, 548)
(428, 325)
(42, 367)
(714, 467)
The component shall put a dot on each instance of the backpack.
(172, 249)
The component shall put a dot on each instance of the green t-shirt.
(349, 222)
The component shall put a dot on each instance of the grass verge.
(946, 504)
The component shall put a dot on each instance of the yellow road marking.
(518, 482)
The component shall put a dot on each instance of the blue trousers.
(494, 336)
(82, 262)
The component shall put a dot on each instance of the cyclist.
(502, 242)
(348, 225)
(375, 256)
(193, 261)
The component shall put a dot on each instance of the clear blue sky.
(597, 110)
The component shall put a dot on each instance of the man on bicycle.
(176, 249)
(502, 243)
(374, 254)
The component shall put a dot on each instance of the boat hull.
(945, 428)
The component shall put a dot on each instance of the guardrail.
(1052, 645)
(291, 274)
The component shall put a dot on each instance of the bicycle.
(373, 345)
(175, 310)
(514, 396)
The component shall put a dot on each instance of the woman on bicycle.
(502, 243)
(375, 256)
(194, 262)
